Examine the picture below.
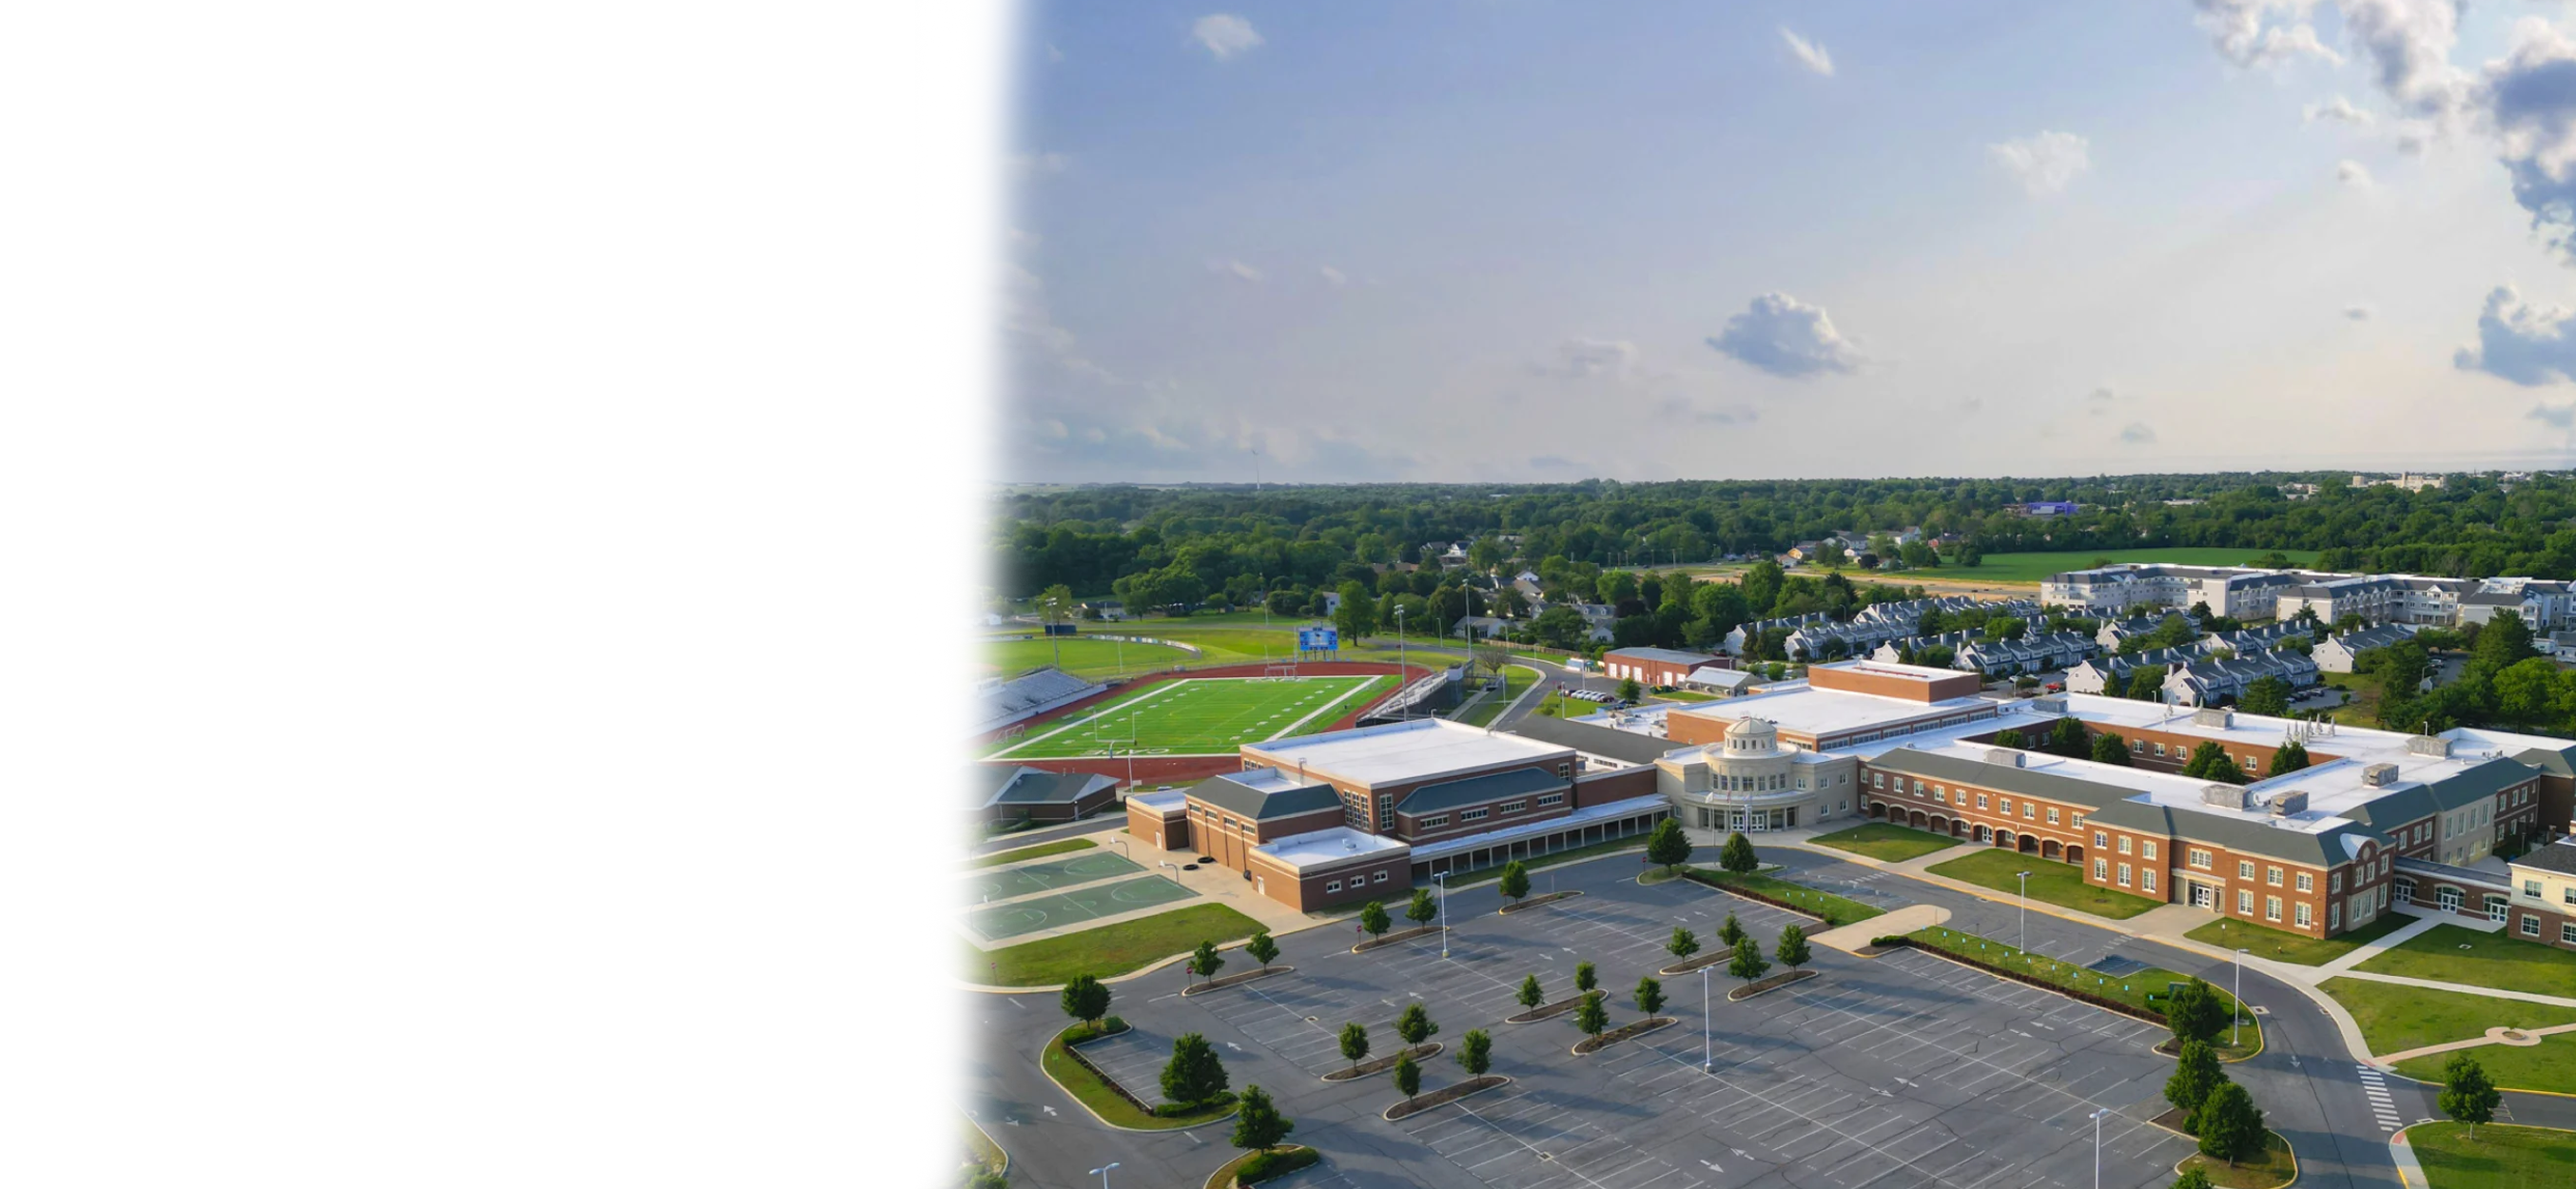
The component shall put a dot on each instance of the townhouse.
(2336, 654)
(2204, 682)
(2110, 675)
(2032, 653)
(2245, 593)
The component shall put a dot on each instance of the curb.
(1235, 980)
(1668, 1021)
(1506, 1080)
(1422, 1052)
(1067, 1091)
(1537, 902)
(1221, 1178)
(2285, 1146)
(978, 1125)
(1738, 995)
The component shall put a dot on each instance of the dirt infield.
(1151, 770)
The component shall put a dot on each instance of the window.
(2147, 879)
(1552, 799)
(2160, 749)
(2052, 815)
(2405, 888)
(2300, 914)
(2029, 812)
(2567, 932)
(2249, 763)
(2530, 926)
(1470, 815)
(1981, 800)
(2245, 902)
(2272, 876)
(1565, 769)
(1386, 807)
(2147, 849)
(2531, 888)
(2244, 870)
(2101, 868)
(2307, 882)
(2271, 908)
(2079, 821)
(2124, 875)
(2004, 805)
(1334, 886)
(2124, 844)
(2334, 918)
(2100, 840)
(1434, 823)
(2334, 882)
(2140, 746)
(2569, 893)
(1941, 795)
(1878, 780)
(1512, 807)
(1379, 878)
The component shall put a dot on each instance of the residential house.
(2337, 653)
(2204, 683)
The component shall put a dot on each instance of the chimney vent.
(2004, 756)
(2294, 801)
(2379, 776)
(2213, 716)
(2429, 745)
(2225, 796)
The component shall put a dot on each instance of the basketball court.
(1073, 908)
(1004, 883)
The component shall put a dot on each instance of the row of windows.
(2531, 888)
(1356, 882)
(2030, 810)
(2566, 929)
(1507, 809)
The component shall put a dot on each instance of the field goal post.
(1280, 670)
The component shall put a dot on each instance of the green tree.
(1373, 918)
(1650, 995)
(1516, 881)
(1194, 1075)
(1086, 999)
(2231, 1126)
(2068, 738)
(1408, 1077)
(2467, 1096)
(1357, 615)
(1729, 932)
(1584, 978)
(2288, 758)
(1262, 948)
(2195, 1013)
(2194, 1177)
(1684, 943)
(2147, 683)
(1476, 1052)
(2266, 695)
(1737, 856)
(1590, 1016)
(2008, 737)
(1355, 1043)
(1258, 1125)
(1055, 604)
(1668, 845)
(2193, 1078)
(1560, 627)
(2504, 640)
(1748, 963)
(2110, 749)
(2209, 762)
(1205, 961)
(1414, 1025)
(1530, 995)
(1629, 690)
(1423, 908)
(1792, 950)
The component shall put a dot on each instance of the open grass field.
(1039, 851)
(1095, 659)
(2396, 1018)
(2363, 710)
(2057, 883)
(2030, 568)
(1516, 681)
(1199, 716)
(1885, 843)
(2281, 945)
(1109, 950)
(2132, 988)
(2548, 1066)
(1069, 908)
(2275, 1167)
(2451, 954)
(2501, 1157)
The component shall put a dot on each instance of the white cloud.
(2409, 43)
(1587, 358)
(1224, 34)
(2137, 433)
(2558, 416)
(1236, 269)
(1333, 275)
(2530, 95)
(1810, 55)
(1786, 337)
(1022, 238)
(2044, 163)
(2529, 345)
(2247, 37)
(2350, 173)
(2341, 111)
(2099, 394)
(1039, 164)
(2357, 313)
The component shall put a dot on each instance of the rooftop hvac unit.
(2429, 745)
(2294, 801)
(2213, 716)
(2055, 704)
(2004, 756)
(2379, 776)
(2226, 796)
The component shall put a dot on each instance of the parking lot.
(1892, 1073)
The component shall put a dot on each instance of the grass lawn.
(1031, 852)
(2284, 946)
(2394, 1019)
(2501, 1157)
(2549, 1065)
(1681, 695)
(2032, 567)
(1516, 681)
(1109, 950)
(2451, 954)
(1098, 659)
(985, 1151)
(1199, 716)
(1837, 911)
(1105, 1101)
(1557, 705)
(1886, 843)
(2364, 708)
(2273, 1168)
(2131, 988)
(2057, 883)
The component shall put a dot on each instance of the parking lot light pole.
(1707, 1049)
(2024, 877)
(2236, 1018)
(1440, 879)
(2097, 1146)
(1102, 1172)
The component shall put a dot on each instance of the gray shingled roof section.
(2413, 803)
(1625, 746)
(1476, 790)
(1929, 766)
(2428, 869)
(2479, 783)
(2556, 761)
(1037, 786)
(2110, 805)
(1235, 798)
(2557, 856)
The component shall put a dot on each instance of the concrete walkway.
(2521, 1038)
(2378, 945)
(1852, 937)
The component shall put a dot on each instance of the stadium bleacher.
(1028, 695)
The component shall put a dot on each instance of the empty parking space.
(1065, 908)
(1133, 1059)
(1004, 883)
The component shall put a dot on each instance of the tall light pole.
(1057, 640)
(1102, 1172)
(1399, 677)
(1440, 879)
(2097, 1146)
(2236, 1018)
(1707, 1047)
(2024, 877)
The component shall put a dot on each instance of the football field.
(1200, 716)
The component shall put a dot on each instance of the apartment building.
(2242, 593)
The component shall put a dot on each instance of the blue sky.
(1535, 240)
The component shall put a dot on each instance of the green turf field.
(1067, 908)
(1200, 716)
(1080, 657)
(1038, 877)
(2033, 567)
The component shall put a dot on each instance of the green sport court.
(1201, 716)
(1069, 908)
(1038, 877)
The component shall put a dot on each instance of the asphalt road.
(1832, 1048)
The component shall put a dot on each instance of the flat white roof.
(1327, 846)
(1160, 798)
(1580, 817)
(1821, 712)
(1401, 751)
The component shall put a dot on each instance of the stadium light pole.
(2024, 877)
(1440, 879)
(1053, 638)
(2236, 1018)
(1403, 712)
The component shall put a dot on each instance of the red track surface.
(1151, 770)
